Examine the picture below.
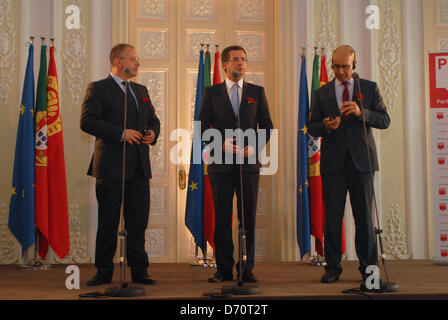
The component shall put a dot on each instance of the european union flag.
(21, 206)
(193, 211)
(303, 206)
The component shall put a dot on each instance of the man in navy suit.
(348, 158)
(227, 106)
(102, 116)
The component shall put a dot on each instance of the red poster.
(438, 80)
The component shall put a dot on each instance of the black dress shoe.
(139, 274)
(329, 277)
(144, 280)
(221, 276)
(249, 277)
(99, 279)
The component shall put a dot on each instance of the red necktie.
(345, 96)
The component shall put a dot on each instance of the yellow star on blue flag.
(193, 185)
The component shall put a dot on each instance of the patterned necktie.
(235, 99)
(345, 96)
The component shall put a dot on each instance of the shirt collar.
(349, 81)
(118, 80)
(230, 83)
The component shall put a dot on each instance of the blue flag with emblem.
(21, 206)
(303, 206)
(193, 211)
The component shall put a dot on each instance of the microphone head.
(355, 76)
(235, 74)
(127, 71)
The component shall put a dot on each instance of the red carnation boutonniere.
(360, 97)
(145, 100)
(250, 100)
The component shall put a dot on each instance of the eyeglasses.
(133, 59)
(344, 67)
(236, 59)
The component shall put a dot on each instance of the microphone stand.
(241, 289)
(388, 286)
(124, 290)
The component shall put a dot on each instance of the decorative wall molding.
(442, 17)
(7, 49)
(443, 44)
(193, 80)
(250, 11)
(326, 37)
(390, 58)
(261, 205)
(158, 201)
(395, 240)
(75, 58)
(201, 9)
(79, 252)
(260, 242)
(152, 9)
(253, 43)
(9, 247)
(155, 243)
(156, 82)
(255, 78)
(194, 40)
(152, 44)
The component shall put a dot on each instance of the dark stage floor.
(282, 281)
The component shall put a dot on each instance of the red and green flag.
(50, 179)
(58, 224)
(41, 156)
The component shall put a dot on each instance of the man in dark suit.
(102, 116)
(348, 158)
(222, 107)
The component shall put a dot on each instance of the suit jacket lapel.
(332, 95)
(245, 95)
(226, 99)
(137, 94)
(355, 91)
(115, 88)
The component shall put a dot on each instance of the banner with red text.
(438, 92)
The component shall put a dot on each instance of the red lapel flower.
(360, 97)
(145, 100)
(250, 100)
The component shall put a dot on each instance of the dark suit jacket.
(350, 134)
(216, 111)
(102, 117)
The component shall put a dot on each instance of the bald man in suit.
(337, 117)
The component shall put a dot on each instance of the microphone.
(127, 71)
(235, 74)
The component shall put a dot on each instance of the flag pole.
(204, 253)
